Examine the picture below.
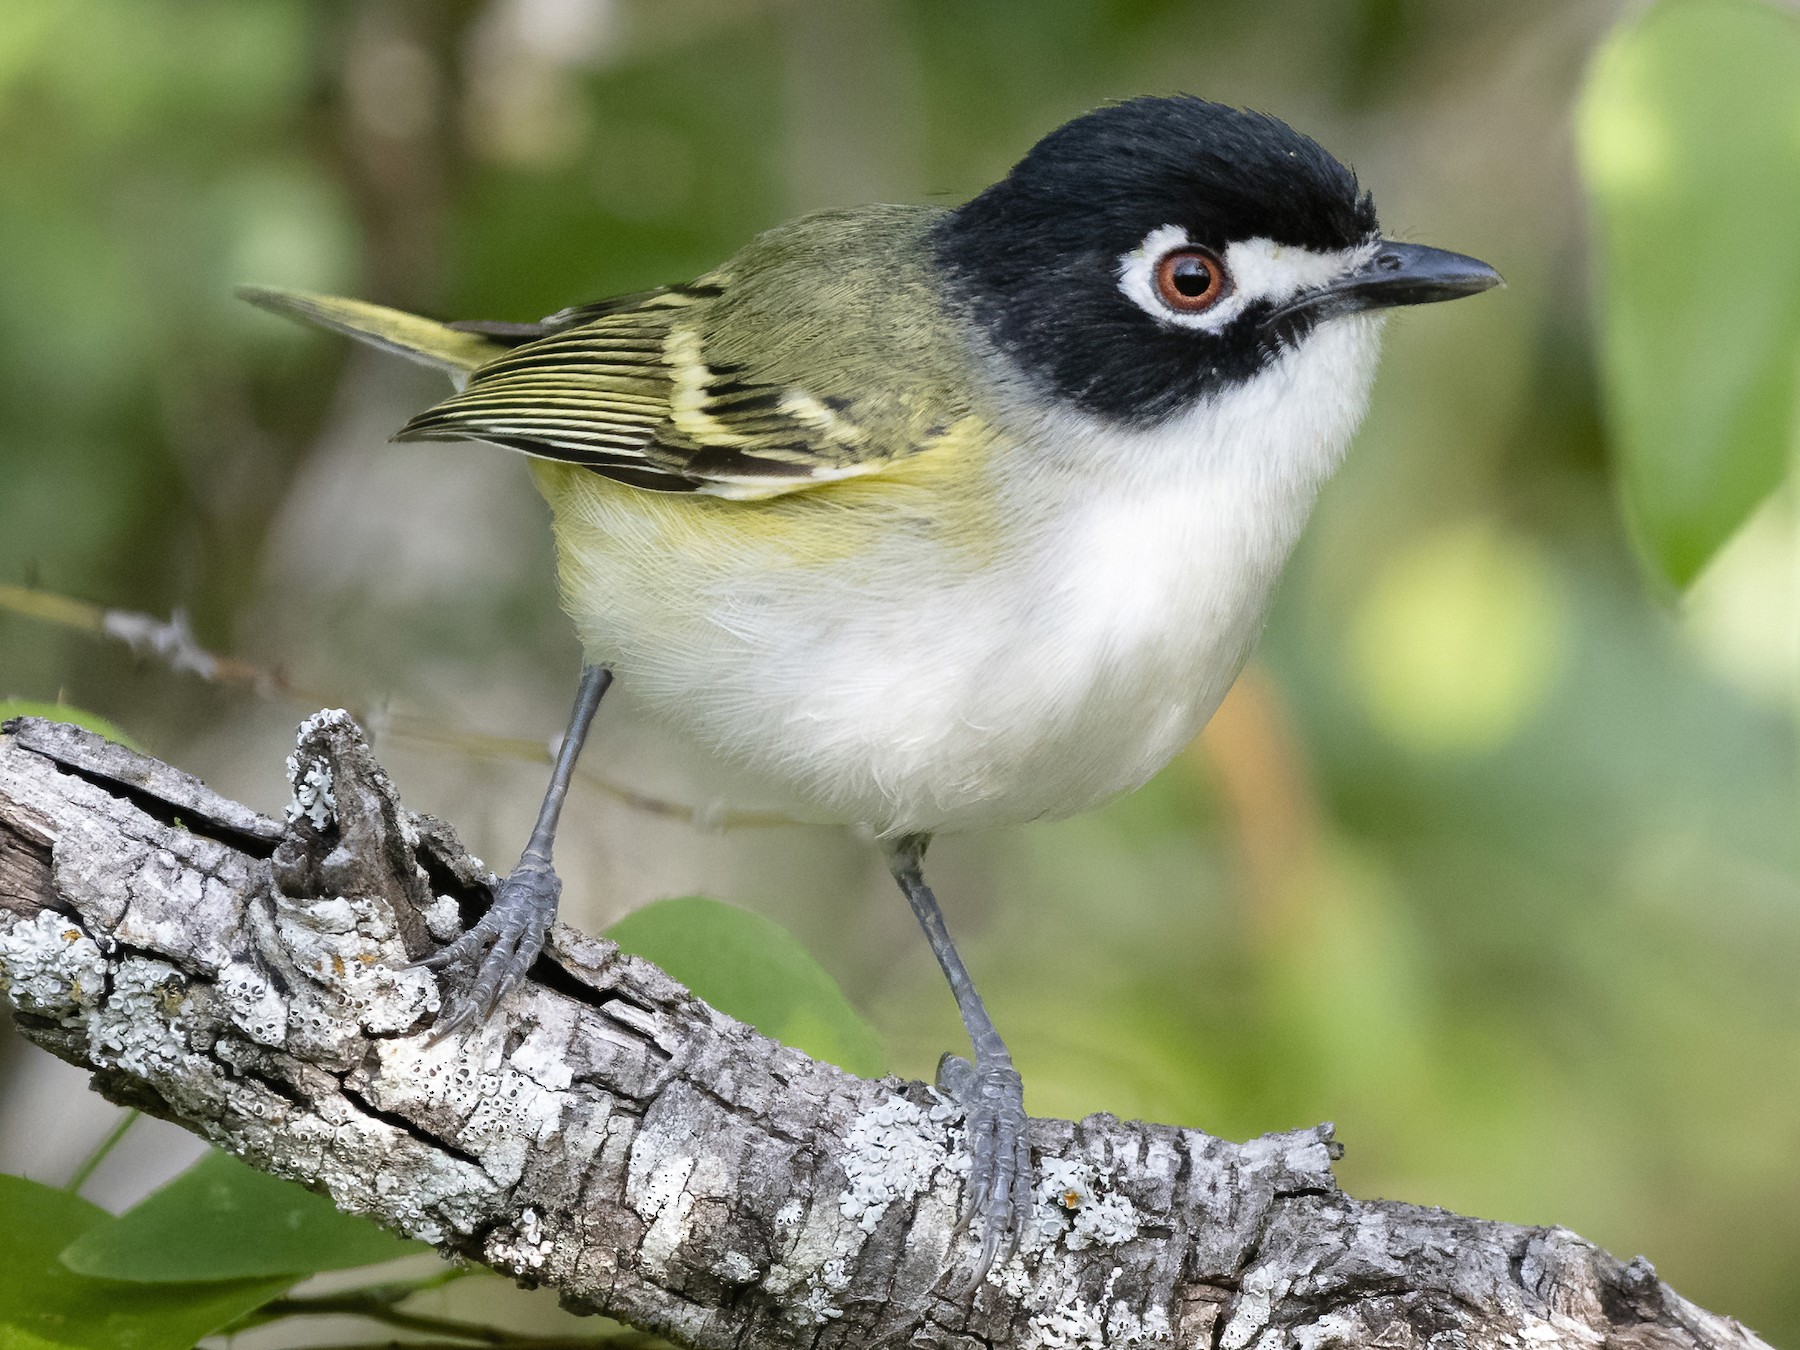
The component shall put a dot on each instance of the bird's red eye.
(1191, 280)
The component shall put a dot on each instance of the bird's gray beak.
(1398, 274)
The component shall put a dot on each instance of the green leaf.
(45, 1304)
(752, 969)
(1689, 139)
(223, 1220)
(61, 712)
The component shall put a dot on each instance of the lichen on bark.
(613, 1137)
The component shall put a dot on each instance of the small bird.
(931, 519)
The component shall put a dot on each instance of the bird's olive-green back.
(821, 351)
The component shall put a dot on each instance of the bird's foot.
(998, 1191)
(489, 961)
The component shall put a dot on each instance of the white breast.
(912, 693)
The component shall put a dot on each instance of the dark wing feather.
(736, 388)
(629, 393)
(516, 334)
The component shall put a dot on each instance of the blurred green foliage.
(46, 1306)
(750, 968)
(222, 1220)
(1690, 141)
(1496, 865)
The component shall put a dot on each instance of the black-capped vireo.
(929, 519)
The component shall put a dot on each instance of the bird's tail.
(392, 330)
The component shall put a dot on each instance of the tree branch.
(614, 1138)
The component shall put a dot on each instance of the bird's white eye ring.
(1191, 279)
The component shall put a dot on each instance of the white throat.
(1284, 430)
(1137, 569)
(1145, 565)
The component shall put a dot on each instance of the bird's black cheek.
(1280, 332)
(1135, 371)
(1079, 340)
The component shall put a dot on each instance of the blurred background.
(1491, 858)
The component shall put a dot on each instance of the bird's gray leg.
(490, 960)
(991, 1093)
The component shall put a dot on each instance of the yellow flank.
(692, 542)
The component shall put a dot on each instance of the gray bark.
(612, 1137)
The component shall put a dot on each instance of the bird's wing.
(782, 370)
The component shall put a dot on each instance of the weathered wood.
(612, 1137)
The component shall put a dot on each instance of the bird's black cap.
(1223, 172)
(1034, 261)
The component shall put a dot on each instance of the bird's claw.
(489, 961)
(998, 1190)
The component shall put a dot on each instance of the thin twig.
(105, 1146)
(385, 1294)
(395, 1291)
(378, 1310)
